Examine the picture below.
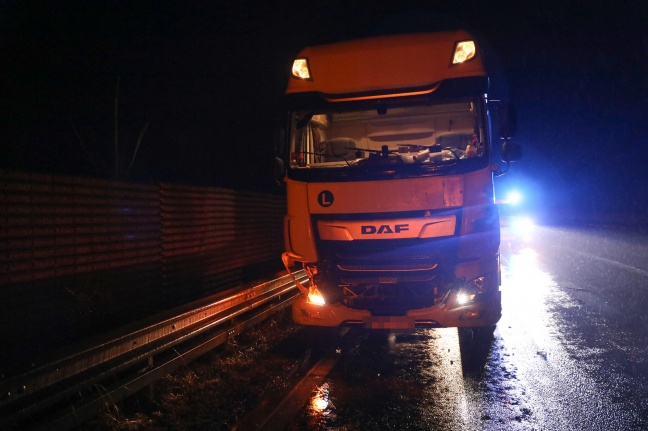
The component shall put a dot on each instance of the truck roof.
(397, 64)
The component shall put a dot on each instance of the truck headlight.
(464, 51)
(300, 69)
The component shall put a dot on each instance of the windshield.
(441, 134)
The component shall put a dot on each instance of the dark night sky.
(208, 77)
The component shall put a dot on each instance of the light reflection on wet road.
(562, 358)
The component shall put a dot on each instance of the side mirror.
(511, 151)
(507, 120)
(279, 171)
(279, 163)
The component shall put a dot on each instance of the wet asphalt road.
(570, 352)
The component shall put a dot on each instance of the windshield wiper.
(327, 155)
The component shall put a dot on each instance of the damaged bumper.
(449, 313)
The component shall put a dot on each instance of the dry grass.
(215, 391)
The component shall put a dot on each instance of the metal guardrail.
(65, 392)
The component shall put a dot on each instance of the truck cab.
(389, 181)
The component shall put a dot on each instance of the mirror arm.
(501, 172)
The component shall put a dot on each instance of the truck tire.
(475, 345)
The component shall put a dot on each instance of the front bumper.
(486, 312)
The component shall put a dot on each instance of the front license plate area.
(389, 322)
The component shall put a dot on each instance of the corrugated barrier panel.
(79, 255)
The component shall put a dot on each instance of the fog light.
(315, 296)
(464, 298)
(468, 293)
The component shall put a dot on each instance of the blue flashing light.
(514, 197)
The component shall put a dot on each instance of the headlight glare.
(315, 296)
(472, 289)
(464, 51)
(300, 69)
(464, 298)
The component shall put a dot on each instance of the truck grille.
(388, 279)
(389, 299)
(390, 276)
(386, 267)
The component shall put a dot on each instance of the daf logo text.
(383, 229)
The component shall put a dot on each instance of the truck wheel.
(481, 334)
(474, 345)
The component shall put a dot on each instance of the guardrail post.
(152, 385)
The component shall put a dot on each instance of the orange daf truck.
(388, 167)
